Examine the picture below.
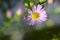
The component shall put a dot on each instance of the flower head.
(9, 14)
(37, 15)
(50, 1)
(19, 12)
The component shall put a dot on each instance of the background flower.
(9, 14)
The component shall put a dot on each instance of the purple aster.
(37, 15)
(9, 13)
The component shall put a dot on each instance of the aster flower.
(19, 12)
(50, 1)
(9, 13)
(37, 15)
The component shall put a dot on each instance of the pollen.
(35, 15)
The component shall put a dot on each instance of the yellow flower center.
(35, 15)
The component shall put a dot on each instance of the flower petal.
(43, 14)
(30, 21)
(39, 7)
(28, 10)
(43, 18)
(37, 22)
(34, 8)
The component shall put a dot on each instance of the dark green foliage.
(4, 37)
(44, 34)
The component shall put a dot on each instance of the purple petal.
(28, 10)
(30, 21)
(9, 13)
(43, 18)
(37, 22)
(34, 8)
(39, 7)
(40, 11)
(43, 14)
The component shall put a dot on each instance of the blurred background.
(13, 27)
